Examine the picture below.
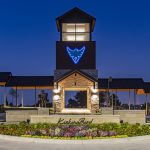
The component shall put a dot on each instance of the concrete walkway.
(93, 141)
(17, 143)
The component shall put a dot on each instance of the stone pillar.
(57, 107)
(94, 100)
(57, 99)
(94, 108)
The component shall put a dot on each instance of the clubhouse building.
(76, 74)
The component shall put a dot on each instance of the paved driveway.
(109, 145)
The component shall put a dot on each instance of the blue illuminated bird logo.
(76, 53)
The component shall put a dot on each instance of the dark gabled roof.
(4, 76)
(147, 87)
(75, 15)
(30, 81)
(76, 71)
(121, 83)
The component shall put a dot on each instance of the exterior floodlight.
(56, 90)
(56, 97)
(94, 90)
(94, 97)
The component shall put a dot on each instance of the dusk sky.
(28, 35)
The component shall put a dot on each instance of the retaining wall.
(131, 116)
(76, 118)
(24, 114)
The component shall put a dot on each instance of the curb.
(57, 141)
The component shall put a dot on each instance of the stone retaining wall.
(95, 118)
(24, 114)
(41, 115)
(131, 116)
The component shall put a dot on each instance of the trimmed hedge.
(74, 131)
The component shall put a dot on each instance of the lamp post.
(109, 80)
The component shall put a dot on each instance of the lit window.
(75, 32)
(84, 27)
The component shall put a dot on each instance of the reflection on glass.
(75, 99)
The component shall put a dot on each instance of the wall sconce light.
(94, 90)
(56, 97)
(94, 97)
(56, 91)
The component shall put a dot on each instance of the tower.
(75, 58)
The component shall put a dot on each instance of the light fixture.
(56, 97)
(94, 97)
(94, 90)
(56, 90)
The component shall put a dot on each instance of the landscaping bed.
(91, 131)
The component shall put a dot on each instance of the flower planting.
(75, 131)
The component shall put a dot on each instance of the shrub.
(93, 130)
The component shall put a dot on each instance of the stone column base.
(94, 108)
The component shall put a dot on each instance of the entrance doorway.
(75, 99)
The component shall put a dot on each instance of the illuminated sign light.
(76, 54)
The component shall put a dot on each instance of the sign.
(75, 54)
(81, 121)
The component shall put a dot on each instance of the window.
(75, 32)
(75, 99)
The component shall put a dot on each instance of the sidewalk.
(57, 141)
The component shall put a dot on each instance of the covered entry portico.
(76, 81)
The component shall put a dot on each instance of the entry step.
(80, 111)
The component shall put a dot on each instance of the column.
(4, 96)
(16, 97)
(116, 99)
(134, 98)
(129, 99)
(146, 105)
(22, 98)
(35, 96)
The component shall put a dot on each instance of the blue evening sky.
(28, 34)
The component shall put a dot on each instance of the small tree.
(103, 97)
(14, 94)
(116, 101)
(7, 104)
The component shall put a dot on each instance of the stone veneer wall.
(42, 115)
(73, 82)
(24, 114)
(131, 116)
(96, 118)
